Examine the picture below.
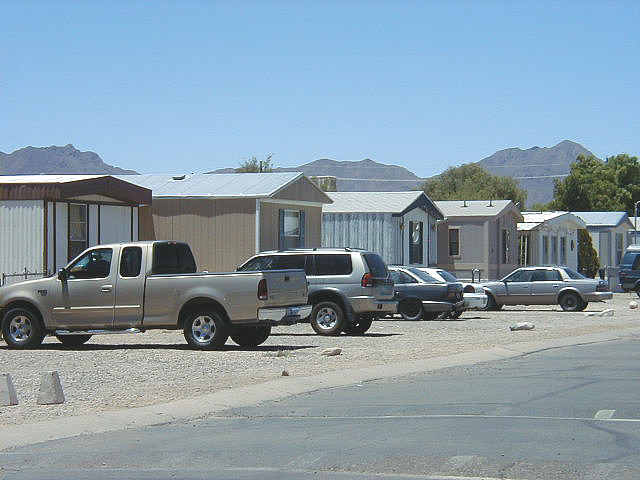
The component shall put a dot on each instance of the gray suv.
(348, 288)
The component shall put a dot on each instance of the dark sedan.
(420, 296)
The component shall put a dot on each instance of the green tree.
(588, 263)
(596, 185)
(472, 182)
(253, 165)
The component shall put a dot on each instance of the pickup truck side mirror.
(63, 274)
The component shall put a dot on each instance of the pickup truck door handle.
(106, 288)
(556, 286)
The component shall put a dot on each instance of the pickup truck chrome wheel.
(205, 329)
(21, 328)
(327, 318)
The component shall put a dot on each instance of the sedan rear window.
(573, 275)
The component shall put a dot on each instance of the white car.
(475, 298)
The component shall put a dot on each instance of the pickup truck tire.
(327, 318)
(73, 340)
(21, 328)
(205, 329)
(361, 324)
(411, 309)
(250, 336)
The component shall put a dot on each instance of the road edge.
(197, 407)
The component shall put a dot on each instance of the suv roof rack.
(316, 249)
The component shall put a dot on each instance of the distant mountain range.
(535, 168)
(65, 160)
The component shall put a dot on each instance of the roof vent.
(179, 177)
(490, 203)
(464, 203)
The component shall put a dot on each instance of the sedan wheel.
(411, 310)
(570, 302)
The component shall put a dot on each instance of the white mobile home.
(400, 226)
(549, 238)
(46, 220)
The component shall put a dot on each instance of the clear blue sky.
(198, 85)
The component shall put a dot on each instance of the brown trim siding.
(269, 225)
(45, 251)
(302, 189)
(221, 232)
(55, 237)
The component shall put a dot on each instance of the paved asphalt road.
(570, 413)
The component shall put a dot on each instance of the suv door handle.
(106, 288)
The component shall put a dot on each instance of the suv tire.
(327, 318)
(249, 337)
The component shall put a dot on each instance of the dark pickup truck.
(421, 296)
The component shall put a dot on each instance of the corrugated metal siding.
(377, 232)
(115, 224)
(269, 224)
(22, 228)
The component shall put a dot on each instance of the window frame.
(458, 243)
(74, 252)
(69, 268)
(122, 256)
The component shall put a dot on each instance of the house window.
(415, 242)
(545, 249)
(619, 247)
(291, 229)
(563, 250)
(554, 250)
(454, 242)
(78, 230)
(523, 249)
(505, 245)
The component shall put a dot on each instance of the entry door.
(415, 243)
(87, 296)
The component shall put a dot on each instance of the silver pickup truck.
(133, 287)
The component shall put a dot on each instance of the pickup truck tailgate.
(285, 287)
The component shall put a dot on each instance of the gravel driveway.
(119, 371)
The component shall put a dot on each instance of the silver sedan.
(546, 286)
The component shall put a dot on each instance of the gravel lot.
(118, 371)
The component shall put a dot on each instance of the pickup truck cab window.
(93, 264)
(173, 258)
(130, 262)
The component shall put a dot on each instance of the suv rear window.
(376, 265)
(333, 264)
(631, 259)
(173, 258)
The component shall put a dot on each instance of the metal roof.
(473, 208)
(532, 220)
(602, 219)
(396, 203)
(224, 185)
(50, 178)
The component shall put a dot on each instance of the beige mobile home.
(226, 218)
(479, 234)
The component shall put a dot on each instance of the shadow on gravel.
(158, 346)
(337, 336)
